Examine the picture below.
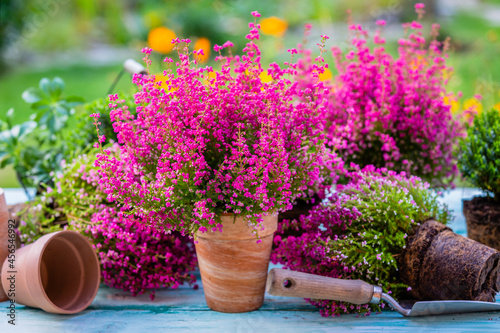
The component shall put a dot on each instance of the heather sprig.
(132, 259)
(480, 153)
(206, 142)
(391, 111)
(359, 232)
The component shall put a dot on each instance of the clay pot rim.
(47, 299)
(239, 215)
(240, 231)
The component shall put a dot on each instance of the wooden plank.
(143, 320)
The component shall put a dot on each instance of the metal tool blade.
(431, 308)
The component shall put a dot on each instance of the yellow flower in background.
(160, 78)
(273, 26)
(326, 75)
(497, 106)
(418, 61)
(452, 101)
(473, 104)
(160, 81)
(264, 77)
(209, 77)
(204, 44)
(160, 39)
(447, 73)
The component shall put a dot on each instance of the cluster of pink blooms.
(206, 142)
(132, 259)
(136, 260)
(310, 253)
(390, 111)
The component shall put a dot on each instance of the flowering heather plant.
(359, 232)
(206, 142)
(391, 111)
(132, 259)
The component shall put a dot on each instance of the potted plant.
(480, 165)
(216, 154)
(382, 227)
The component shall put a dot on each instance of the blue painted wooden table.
(184, 309)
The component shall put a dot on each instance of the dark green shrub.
(480, 153)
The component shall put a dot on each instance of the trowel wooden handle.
(282, 282)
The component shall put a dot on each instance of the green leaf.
(45, 85)
(9, 117)
(74, 100)
(31, 95)
(41, 105)
(56, 87)
(26, 128)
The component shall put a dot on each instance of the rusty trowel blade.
(432, 308)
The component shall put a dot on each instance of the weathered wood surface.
(185, 309)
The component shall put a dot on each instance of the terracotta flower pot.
(58, 273)
(482, 216)
(234, 266)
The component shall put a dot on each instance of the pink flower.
(217, 141)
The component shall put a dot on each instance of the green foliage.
(390, 207)
(480, 157)
(72, 199)
(36, 148)
(85, 128)
(51, 108)
(359, 232)
(32, 147)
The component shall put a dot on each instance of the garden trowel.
(281, 282)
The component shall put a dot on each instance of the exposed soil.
(441, 265)
(482, 215)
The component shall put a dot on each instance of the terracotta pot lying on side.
(233, 265)
(482, 215)
(59, 273)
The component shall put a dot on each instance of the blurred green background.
(85, 42)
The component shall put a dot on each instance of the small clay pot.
(58, 273)
(233, 265)
(4, 250)
(482, 216)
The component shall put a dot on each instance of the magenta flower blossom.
(207, 142)
(390, 111)
(138, 260)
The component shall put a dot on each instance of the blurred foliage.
(83, 80)
(474, 57)
(37, 148)
(32, 147)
